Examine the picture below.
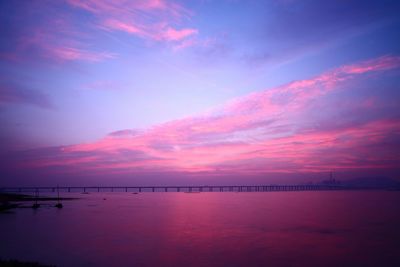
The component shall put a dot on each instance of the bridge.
(187, 189)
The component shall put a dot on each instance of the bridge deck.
(190, 188)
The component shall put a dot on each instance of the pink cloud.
(383, 63)
(123, 26)
(117, 6)
(60, 42)
(71, 54)
(151, 20)
(176, 35)
(259, 133)
(56, 36)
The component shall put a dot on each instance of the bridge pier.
(229, 188)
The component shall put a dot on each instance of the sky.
(161, 91)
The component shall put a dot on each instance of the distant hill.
(373, 182)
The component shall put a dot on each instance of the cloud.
(287, 129)
(17, 94)
(62, 48)
(152, 20)
(176, 35)
(72, 54)
(48, 33)
(124, 133)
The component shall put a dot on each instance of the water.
(359, 228)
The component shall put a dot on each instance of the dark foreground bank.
(15, 263)
(10, 201)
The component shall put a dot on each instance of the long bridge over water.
(187, 189)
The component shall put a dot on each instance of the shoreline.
(17, 263)
(9, 201)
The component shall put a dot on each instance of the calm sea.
(352, 228)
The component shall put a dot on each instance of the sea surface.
(321, 228)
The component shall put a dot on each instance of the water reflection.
(209, 229)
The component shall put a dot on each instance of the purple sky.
(163, 91)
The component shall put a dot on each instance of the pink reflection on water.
(210, 229)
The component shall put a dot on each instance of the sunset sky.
(162, 91)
